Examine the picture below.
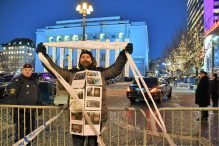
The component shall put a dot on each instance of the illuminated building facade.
(105, 29)
(195, 11)
(211, 41)
(16, 53)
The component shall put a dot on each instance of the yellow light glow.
(84, 6)
(78, 7)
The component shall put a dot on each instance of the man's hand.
(129, 48)
(41, 48)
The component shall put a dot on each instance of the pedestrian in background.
(23, 90)
(214, 90)
(175, 82)
(202, 97)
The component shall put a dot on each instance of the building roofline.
(113, 18)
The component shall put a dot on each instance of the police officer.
(23, 90)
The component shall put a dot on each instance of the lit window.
(121, 35)
(20, 43)
(102, 36)
(75, 37)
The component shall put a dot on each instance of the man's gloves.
(129, 48)
(41, 48)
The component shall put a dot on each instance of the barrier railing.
(186, 126)
(122, 127)
(13, 124)
(125, 126)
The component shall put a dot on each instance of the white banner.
(87, 45)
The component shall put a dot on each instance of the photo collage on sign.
(76, 105)
(87, 85)
(95, 117)
(79, 80)
(93, 98)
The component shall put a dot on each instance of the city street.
(116, 97)
(182, 126)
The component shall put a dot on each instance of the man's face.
(85, 60)
(202, 75)
(27, 72)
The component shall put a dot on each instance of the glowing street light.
(85, 9)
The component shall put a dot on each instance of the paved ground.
(130, 127)
(182, 125)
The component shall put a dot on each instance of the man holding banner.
(87, 61)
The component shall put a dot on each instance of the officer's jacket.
(23, 91)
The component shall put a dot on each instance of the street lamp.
(85, 9)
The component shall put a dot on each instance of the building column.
(54, 54)
(70, 59)
(107, 56)
(117, 51)
(78, 56)
(98, 57)
(61, 56)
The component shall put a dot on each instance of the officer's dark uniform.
(24, 91)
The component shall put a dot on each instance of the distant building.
(203, 15)
(211, 41)
(1, 60)
(111, 29)
(16, 53)
(1, 49)
(195, 15)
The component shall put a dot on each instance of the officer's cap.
(203, 72)
(27, 66)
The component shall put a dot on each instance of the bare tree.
(175, 41)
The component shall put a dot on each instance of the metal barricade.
(125, 126)
(27, 118)
(186, 126)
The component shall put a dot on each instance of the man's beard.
(86, 63)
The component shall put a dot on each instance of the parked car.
(113, 80)
(4, 81)
(47, 87)
(159, 90)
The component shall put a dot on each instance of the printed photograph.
(93, 73)
(76, 116)
(95, 117)
(80, 93)
(94, 91)
(79, 76)
(94, 81)
(75, 106)
(93, 104)
(76, 128)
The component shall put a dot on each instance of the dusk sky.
(21, 18)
